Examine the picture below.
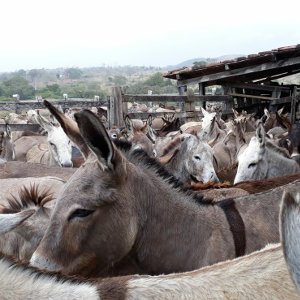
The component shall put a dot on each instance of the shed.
(249, 80)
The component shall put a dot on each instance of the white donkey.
(262, 159)
(59, 149)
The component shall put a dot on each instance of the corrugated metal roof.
(240, 62)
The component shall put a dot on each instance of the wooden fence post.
(181, 103)
(116, 108)
(294, 105)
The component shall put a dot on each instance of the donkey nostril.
(214, 178)
(67, 164)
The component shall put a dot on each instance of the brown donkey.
(121, 214)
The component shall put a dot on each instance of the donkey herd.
(159, 209)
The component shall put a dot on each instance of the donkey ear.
(96, 137)
(266, 112)
(204, 112)
(261, 135)
(280, 111)
(8, 131)
(290, 233)
(70, 127)
(43, 122)
(128, 123)
(235, 113)
(10, 221)
(149, 120)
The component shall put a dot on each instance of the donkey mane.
(140, 157)
(172, 145)
(56, 276)
(277, 149)
(26, 198)
(283, 121)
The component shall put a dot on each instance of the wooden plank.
(173, 98)
(275, 67)
(32, 104)
(274, 77)
(285, 100)
(252, 96)
(144, 116)
(181, 103)
(21, 127)
(259, 87)
(116, 107)
(188, 115)
(293, 109)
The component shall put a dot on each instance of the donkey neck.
(8, 149)
(177, 167)
(176, 233)
(278, 165)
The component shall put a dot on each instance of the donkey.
(211, 128)
(290, 234)
(59, 146)
(226, 151)
(234, 279)
(18, 281)
(11, 186)
(136, 134)
(23, 221)
(246, 121)
(192, 160)
(262, 159)
(19, 169)
(121, 213)
(294, 137)
(8, 151)
(274, 119)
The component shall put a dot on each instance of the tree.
(120, 80)
(156, 80)
(35, 74)
(51, 91)
(199, 64)
(17, 85)
(21, 73)
(73, 73)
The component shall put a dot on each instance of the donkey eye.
(80, 213)
(197, 157)
(252, 165)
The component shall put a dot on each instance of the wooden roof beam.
(278, 76)
(259, 87)
(281, 64)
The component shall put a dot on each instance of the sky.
(38, 34)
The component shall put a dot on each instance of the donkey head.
(252, 164)
(23, 221)
(137, 131)
(59, 144)
(94, 220)
(198, 160)
(207, 118)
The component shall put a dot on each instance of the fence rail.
(33, 104)
(20, 127)
(117, 104)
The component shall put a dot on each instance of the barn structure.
(250, 81)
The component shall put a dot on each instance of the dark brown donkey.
(119, 214)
